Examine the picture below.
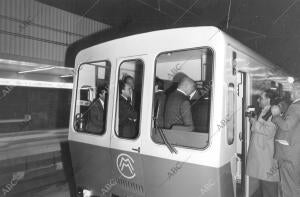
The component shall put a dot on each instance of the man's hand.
(206, 89)
(275, 109)
(131, 119)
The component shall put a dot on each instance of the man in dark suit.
(96, 116)
(127, 115)
(288, 146)
(159, 102)
(130, 81)
(178, 106)
(135, 97)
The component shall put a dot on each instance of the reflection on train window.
(91, 97)
(129, 99)
(182, 97)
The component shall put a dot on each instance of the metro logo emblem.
(125, 166)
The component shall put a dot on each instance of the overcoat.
(260, 159)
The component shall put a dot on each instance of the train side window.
(91, 97)
(182, 97)
(130, 81)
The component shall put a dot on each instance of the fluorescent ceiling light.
(33, 83)
(29, 64)
(37, 69)
(64, 76)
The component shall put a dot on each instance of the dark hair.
(100, 89)
(273, 96)
(121, 86)
(159, 83)
(126, 77)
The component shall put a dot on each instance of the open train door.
(243, 128)
(242, 145)
(241, 180)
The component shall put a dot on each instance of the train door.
(126, 138)
(241, 183)
(239, 93)
(241, 135)
(90, 132)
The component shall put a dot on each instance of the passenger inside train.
(184, 112)
(96, 114)
(159, 102)
(91, 108)
(129, 102)
(127, 114)
(178, 106)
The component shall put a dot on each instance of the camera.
(277, 100)
(250, 112)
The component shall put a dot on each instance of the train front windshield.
(171, 67)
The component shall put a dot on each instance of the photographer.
(288, 145)
(261, 148)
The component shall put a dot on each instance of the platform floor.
(35, 163)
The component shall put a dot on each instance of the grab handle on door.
(241, 136)
(137, 149)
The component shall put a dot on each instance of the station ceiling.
(270, 27)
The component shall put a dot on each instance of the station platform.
(35, 163)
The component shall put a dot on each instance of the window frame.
(211, 95)
(116, 100)
(108, 63)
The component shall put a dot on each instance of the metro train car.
(156, 160)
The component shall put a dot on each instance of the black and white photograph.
(149, 98)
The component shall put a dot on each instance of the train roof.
(162, 40)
